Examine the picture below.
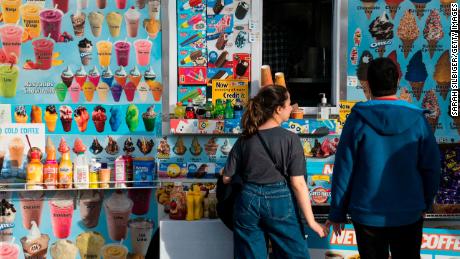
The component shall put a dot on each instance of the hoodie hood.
(389, 117)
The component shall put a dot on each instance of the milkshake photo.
(117, 208)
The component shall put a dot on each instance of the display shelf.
(323, 217)
(22, 187)
(186, 180)
(205, 127)
(302, 127)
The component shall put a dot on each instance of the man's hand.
(337, 227)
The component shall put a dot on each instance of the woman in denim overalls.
(269, 203)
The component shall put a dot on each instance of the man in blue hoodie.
(387, 170)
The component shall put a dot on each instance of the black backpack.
(227, 193)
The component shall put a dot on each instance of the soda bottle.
(179, 111)
(190, 110)
(238, 110)
(209, 109)
(219, 111)
(228, 110)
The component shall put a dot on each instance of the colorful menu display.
(82, 83)
(416, 36)
(83, 224)
(89, 71)
(213, 40)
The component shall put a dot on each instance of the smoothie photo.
(31, 207)
(50, 22)
(104, 52)
(117, 209)
(141, 230)
(11, 35)
(114, 251)
(61, 215)
(122, 49)
(132, 17)
(62, 5)
(11, 10)
(16, 149)
(90, 207)
(8, 82)
(143, 49)
(31, 19)
(43, 49)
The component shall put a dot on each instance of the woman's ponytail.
(261, 108)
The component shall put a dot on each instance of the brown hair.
(261, 108)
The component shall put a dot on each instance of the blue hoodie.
(387, 167)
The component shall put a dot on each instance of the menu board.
(416, 36)
(89, 74)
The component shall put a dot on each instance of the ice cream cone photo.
(368, 7)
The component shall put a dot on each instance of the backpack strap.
(280, 169)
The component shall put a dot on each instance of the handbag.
(227, 193)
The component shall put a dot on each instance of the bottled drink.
(209, 109)
(34, 172)
(81, 172)
(65, 172)
(179, 111)
(190, 110)
(219, 110)
(238, 110)
(228, 110)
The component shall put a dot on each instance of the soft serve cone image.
(430, 102)
(420, 6)
(393, 5)
(51, 118)
(35, 244)
(381, 30)
(416, 74)
(433, 32)
(135, 76)
(446, 6)
(368, 6)
(408, 32)
(67, 76)
(442, 74)
(361, 72)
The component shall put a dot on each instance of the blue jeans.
(270, 210)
